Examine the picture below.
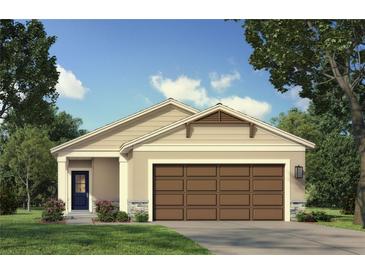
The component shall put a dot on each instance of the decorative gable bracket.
(220, 117)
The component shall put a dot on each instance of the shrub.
(305, 217)
(313, 216)
(122, 216)
(321, 216)
(140, 216)
(53, 210)
(106, 211)
(8, 201)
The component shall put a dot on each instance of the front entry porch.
(82, 181)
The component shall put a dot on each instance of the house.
(179, 163)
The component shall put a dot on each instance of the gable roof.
(129, 145)
(122, 121)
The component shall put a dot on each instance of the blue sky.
(113, 68)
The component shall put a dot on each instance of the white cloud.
(183, 89)
(68, 85)
(223, 81)
(247, 105)
(299, 102)
(187, 89)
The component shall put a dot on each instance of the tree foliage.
(30, 121)
(60, 125)
(333, 172)
(326, 58)
(64, 127)
(332, 168)
(27, 155)
(8, 198)
(298, 123)
(28, 73)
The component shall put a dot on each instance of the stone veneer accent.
(295, 207)
(142, 205)
(137, 205)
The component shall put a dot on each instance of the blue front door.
(80, 190)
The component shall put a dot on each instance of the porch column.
(123, 183)
(62, 181)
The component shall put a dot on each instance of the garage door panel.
(169, 214)
(218, 192)
(234, 213)
(268, 184)
(169, 199)
(267, 199)
(201, 185)
(267, 170)
(234, 199)
(169, 184)
(234, 170)
(201, 214)
(169, 170)
(203, 199)
(201, 170)
(267, 214)
(242, 184)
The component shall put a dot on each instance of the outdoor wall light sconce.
(299, 172)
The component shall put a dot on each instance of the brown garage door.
(218, 192)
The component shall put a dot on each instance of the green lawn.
(23, 234)
(339, 220)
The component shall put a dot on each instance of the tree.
(29, 160)
(64, 127)
(322, 57)
(299, 123)
(61, 126)
(8, 198)
(332, 168)
(333, 172)
(28, 73)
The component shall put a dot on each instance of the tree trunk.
(358, 127)
(28, 194)
(359, 216)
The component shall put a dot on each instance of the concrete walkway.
(79, 221)
(80, 217)
(270, 237)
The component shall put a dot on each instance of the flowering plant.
(53, 210)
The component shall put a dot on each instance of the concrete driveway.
(270, 237)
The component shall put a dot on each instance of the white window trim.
(69, 186)
(286, 163)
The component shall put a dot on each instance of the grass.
(339, 220)
(23, 234)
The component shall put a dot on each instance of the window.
(80, 183)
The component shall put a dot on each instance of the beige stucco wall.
(105, 184)
(140, 163)
(80, 164)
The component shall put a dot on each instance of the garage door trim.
(285, 162)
